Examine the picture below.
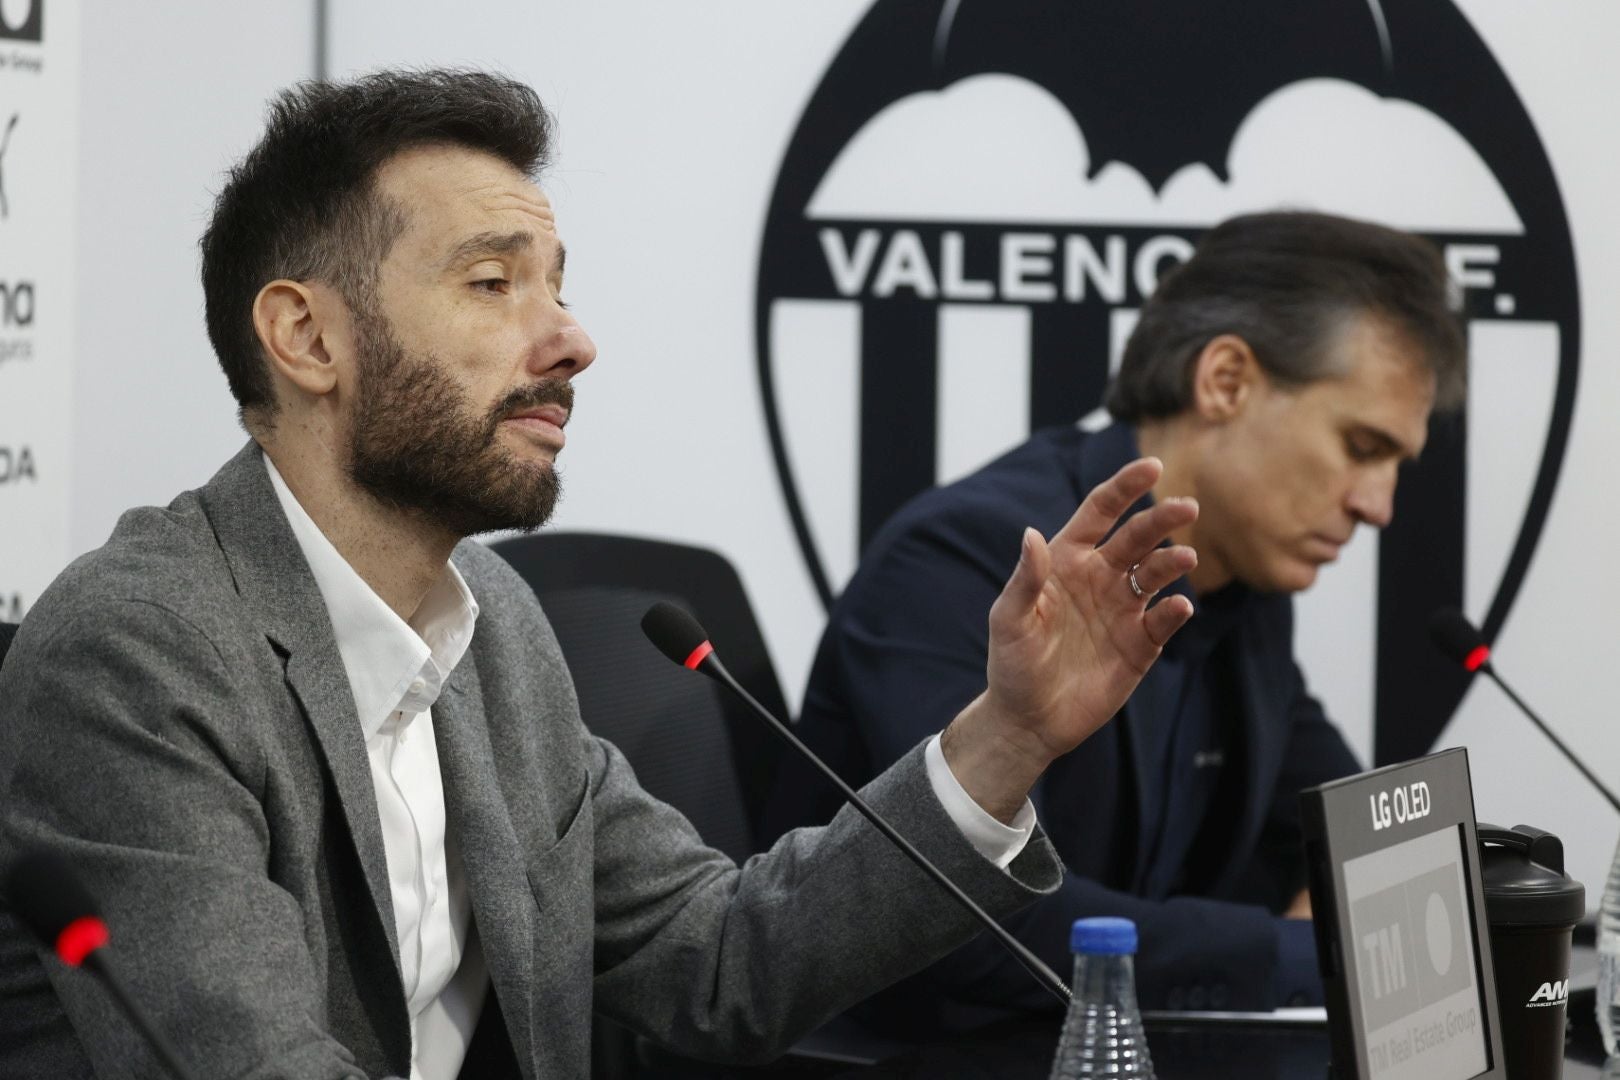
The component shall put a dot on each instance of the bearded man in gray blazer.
(321, 758)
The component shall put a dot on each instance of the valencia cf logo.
(980, 193)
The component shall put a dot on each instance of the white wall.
(171, 94)
(673, 119)
(1559, 642)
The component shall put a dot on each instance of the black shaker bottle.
(1532, 909)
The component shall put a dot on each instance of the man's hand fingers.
(1163, 566)
(1138, 537)
(1108, 500)
(1166, 617)
(1018, 596)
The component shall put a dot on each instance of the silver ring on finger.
(1130, 576)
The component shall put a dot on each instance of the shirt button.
(417, 686)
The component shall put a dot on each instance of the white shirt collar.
(393, 665)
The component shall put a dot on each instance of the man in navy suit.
(1282, 375)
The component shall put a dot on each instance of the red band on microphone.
(1476, 657)
(79, 939)
(699, 654)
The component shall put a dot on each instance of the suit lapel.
(494, 861)
(322, 689)
(280, 593)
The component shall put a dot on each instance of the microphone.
(48, 898)
(679, 637)
(1460, 640)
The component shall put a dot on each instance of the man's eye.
(496, 284)
(1362, 449)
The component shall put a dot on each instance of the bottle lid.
(1103, 937)
(1525, 884)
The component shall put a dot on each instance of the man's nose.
(562, 348)
(1372, 498)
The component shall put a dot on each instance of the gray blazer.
(175, 719)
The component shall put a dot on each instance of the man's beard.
(419, 445)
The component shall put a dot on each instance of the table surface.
(1181, 1051)
(1185, 1049)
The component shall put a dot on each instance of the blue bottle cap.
(1103, 937)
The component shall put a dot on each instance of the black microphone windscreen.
(1454, 635)
(673, 630)
(45, 894)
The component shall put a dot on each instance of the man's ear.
(294, 324)
(1225, 378)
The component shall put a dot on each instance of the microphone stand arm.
(1032, 963)
(1569, 754)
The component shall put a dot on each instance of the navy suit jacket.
(904, 651)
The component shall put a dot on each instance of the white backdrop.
(674, 117)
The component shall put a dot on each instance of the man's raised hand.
(1071, 636)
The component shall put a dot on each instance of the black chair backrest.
(691, 744)
(7, 632)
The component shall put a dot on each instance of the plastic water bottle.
(1608, 988)
(1102, 1035)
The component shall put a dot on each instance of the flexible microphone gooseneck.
(679, 637)
(1460, 640)
(48, 898)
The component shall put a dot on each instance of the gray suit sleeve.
(726, 963)
(165, 827)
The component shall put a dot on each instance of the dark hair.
(1286, 283)
(303, 203)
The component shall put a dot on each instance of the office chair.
(690, 744)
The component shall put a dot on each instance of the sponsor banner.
(39, 84)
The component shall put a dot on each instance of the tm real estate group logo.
(22, 20)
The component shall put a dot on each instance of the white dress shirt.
(396, 670)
